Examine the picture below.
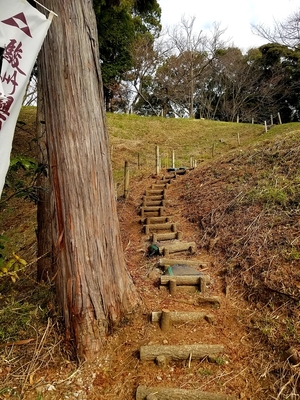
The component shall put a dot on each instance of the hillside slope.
(245, 209)
(241, 207)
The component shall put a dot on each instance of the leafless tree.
(286, 32)
(147, 55)
(199, 49)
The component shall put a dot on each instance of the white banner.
(22, 32)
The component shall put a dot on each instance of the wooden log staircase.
(178, 274)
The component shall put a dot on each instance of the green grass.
(132, 135)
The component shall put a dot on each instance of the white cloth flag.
(22, 32)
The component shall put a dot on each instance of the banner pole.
(53, 13)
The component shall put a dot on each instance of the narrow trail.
(193, 300)
(187, 304)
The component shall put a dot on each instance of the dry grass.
(134, 139)
(243, 205)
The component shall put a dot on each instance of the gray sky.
(235, 15)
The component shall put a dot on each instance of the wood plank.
(167, 262)
(150, 203)
(156, 220)
(158, 197)
(184, 279)
(180, 352)
(161, 181)
(155, 209)
(182, 316)
(162, 226)
(157, 186)
(166, 236)
(177, 247)
(158, 393)
(151, 192)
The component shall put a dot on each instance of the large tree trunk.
(44, 204)
(94, 288)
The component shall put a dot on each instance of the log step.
(155, 192)
(182, 316)
(156, 186)
(181, 352)
(170, 177)
(154, 198)
(178, 247)
(163, 226)
(151, 203)
(184, 280)
(159, 393)
(156, 220)
(168, 262)
(163, 181)
(178, 171)
(156, 237)
(152, 211)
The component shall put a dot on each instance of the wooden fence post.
(157, 161)
(279, 117)
(173, 159)
(165, 321)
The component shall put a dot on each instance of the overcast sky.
(235, 15)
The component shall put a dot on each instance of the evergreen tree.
(120, 24)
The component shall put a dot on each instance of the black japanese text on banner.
(22, 32)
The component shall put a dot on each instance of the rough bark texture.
(94, 289)
(44, 204)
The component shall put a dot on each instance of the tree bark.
(44, 203)
(94, 288)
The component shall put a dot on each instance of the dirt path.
(234, 371)
(120, 374)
